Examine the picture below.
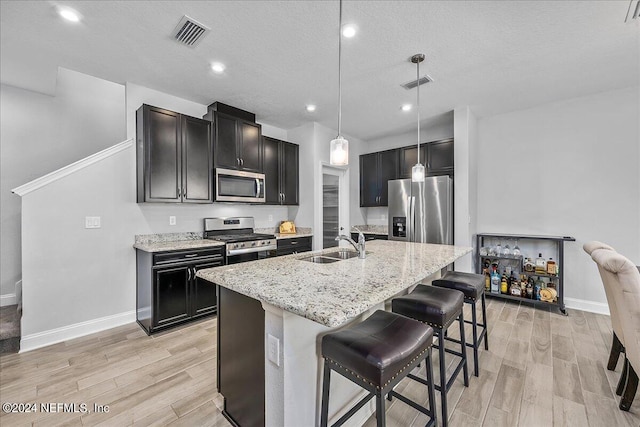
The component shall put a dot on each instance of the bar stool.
(377, 354)
(437, 307)
(472, 286)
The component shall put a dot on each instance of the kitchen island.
(273, 313)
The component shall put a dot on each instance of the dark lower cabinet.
(241, 376)
(294, 245)
(168, 292)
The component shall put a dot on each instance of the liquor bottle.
(541, 265)
(523, 286)
(530, 288)
(536, 288)
(551, 267)
(528, 265)
(487, 276)
(495, 281)
(514, 288)
(504, 285)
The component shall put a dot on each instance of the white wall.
(41, 133)
(315, 141)
(430, 130)
(464, 184)
(568, 168)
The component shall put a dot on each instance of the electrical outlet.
(270, 218)
(172, 220)
(384, 217)
(92, 222)
(273, 349)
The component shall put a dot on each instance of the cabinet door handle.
(190, 255)
(284, 197)
(238, 161)
(241, 162)
(189, 274)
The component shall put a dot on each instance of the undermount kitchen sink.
(319, 259)
(341, 254)
(330, 257)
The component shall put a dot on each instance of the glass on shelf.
(506, 251)
(516, 249)
(499, 249)
(484, 251)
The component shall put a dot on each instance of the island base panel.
(241, 358)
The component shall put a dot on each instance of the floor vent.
(189, 31)
(412, 84)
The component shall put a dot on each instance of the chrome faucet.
(360, 246)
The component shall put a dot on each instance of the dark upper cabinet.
(440, 157)
(237, 143)
(369, 179)
(173, 157)
(409, 157)
(436, 156)
(281, 170)
(376, 169)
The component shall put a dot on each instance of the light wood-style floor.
(542, 369)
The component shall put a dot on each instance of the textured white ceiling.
(494, 56)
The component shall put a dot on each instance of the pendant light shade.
(339, 154)
(417, 171)
(339, 151)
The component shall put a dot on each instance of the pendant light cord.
(340, 71)
(418, 107)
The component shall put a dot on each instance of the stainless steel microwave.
(239, 186)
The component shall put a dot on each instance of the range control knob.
(253, 243)
(242, 245)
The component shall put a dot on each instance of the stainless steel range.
(242, 243)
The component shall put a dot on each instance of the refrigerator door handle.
(411, 220)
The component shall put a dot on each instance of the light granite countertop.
(173, 242)
(332, 294)
(371, 229)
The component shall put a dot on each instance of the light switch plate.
(270, 218)
(273, 349)
(172, 220)
(92, 222)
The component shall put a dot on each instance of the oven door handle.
(233, 252)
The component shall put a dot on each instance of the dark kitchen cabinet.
(376, 169)
(409, 157)
(173, 157)
(237, 143)
(281, 171)
(293, 245)
(440, 157)
(167, 289)
(436, 156)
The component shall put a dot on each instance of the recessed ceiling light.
(217, 67)
(69, 14)
(349, 31)
(311, 108)
(406, 107)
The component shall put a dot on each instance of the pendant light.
(417, 171)
(339, 154)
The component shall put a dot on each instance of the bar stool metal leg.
(484, 321)
(326, 378)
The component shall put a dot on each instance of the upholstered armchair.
(624, 278)
(618, 345)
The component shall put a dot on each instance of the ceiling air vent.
(189, 31)
(423, 80)
(633, 11)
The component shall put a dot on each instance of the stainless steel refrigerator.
(421, 211)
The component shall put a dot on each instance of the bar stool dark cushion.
(379, 347)
(430, 304)
(471, 285)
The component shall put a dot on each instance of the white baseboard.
(584, 305)
(8, 299)
(53, 336)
